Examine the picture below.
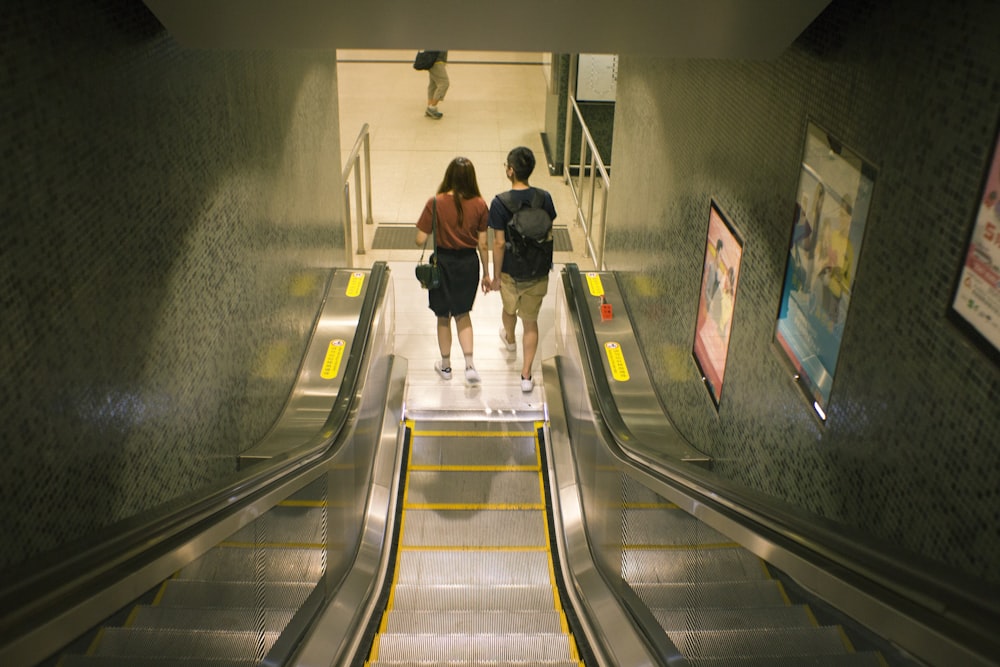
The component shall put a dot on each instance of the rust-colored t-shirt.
(475, 216)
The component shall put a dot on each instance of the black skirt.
(459, 282)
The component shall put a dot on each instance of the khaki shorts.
(523, 298)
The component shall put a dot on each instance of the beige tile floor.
(496, 102)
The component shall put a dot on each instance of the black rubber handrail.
(958, 606)
(35, 594)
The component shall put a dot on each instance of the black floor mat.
(401, 237)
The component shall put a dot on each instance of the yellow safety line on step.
(158, 598)
(471, 468)
(92, 649)
(473, 434)
(848, 645)
(784, 594)
(811, 615)
(465, 547)
(476, 506)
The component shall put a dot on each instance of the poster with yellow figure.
(832, 201)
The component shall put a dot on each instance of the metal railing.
(360, 156)
(591, 179)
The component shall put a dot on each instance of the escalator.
(474, 580)
(589, 532)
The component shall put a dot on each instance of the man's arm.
(499, 245)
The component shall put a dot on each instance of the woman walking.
(458, 214)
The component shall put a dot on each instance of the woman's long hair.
(460, 179)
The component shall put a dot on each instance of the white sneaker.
(445, 373)
(527, 385)
(471, 375)
(511, 347)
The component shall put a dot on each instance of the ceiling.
(728, 29)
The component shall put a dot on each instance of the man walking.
(521, 266)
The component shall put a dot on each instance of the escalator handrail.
(906, 582)
(38, 593)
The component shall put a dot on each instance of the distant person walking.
(437, 86)
(461, 217)
(521, 291)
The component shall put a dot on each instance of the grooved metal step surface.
(861, 659)
(674, 565)
(110, 661)
(239, 563)
(471, 649)
(213, 594)
(142, 642)
(475, 623)
(479, 568)
(475, 529)
(472, 598)
(737, 618)
(731, 595)
(196, 618)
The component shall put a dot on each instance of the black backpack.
(528, 237)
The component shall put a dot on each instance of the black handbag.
(429, 274)
(425, 59)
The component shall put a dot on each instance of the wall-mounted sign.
(834, 194)
(977, 295)
(717, 300)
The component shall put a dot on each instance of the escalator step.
(478, 663)
(471, 649)
(237, 564)
(727, 595)
(212, 595)
(762, 643)
(679, 620)
(473, 598)
(864, 659)
(676, 566)
(484, 568)
(668, 527)
(472, 487)
(110, 661)
(188, 618)
(471, 528)
(455, 450)
(142, 643)
(474, 623)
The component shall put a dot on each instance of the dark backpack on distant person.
(528, 237)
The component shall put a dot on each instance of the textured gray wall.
(911, 451)
(168, 216)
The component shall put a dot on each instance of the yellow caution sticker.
(619, 369)
(355, 283)
(595, 284)
(334, 355)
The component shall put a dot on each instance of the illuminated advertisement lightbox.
(717, 301)
(977, 295)
(832, 202)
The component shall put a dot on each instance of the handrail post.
(361, 224)
(368, 178)
(348, 242)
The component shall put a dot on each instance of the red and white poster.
(977, 296)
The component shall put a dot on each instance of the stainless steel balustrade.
(358, 163)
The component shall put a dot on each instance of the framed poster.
(720, 277)
(832, 202)
(977, 294)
